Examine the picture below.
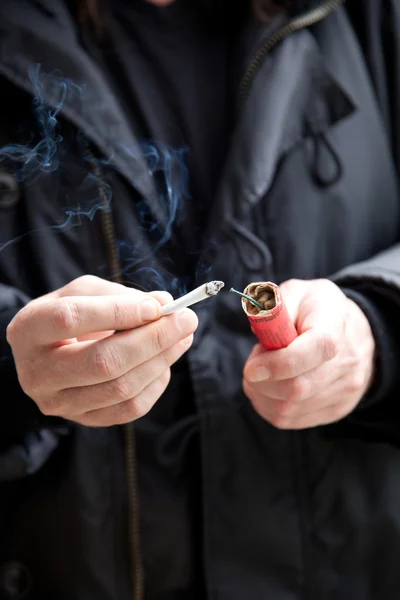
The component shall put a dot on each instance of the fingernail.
(259, 374)
(186, 322)
(149, 310)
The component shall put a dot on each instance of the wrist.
(383, 362)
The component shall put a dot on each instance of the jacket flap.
(40, 53)
(292, 96)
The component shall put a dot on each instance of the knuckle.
(146, 400)
(284, 409)
(296, 389)
(50, 408)
(289, 366)
(120, 389)
(326, 285)
(161, 338)
(82, 283)
(290, 284)
(337, 412)
(28, 376)
(120, 314)
(246, 388)
(66, 315)
(355, 383)
(280, 421)
(353, 359)
(11, 331)
(133, 409)
(328, 346)
(18, 324)
(86, 280)
(161, 363)
(171, 355)
(46, 409)
(93, 419)
(83, 420)
(107, 362)
(164, 379)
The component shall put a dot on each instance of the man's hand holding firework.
(325, 372)
(70, 363)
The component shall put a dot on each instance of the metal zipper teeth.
(131, 474)
(311, 18)
(129, 433)
(307, 20)
(109, 235)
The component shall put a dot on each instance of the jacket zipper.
(307, 20)
(128, 429)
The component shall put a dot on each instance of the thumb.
(292, 293)
(320, 305)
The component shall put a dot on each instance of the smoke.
(40, 155)
(28, 161)
(47, 149)
(142, 262)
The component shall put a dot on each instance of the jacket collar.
(46, 28)
(43, 34)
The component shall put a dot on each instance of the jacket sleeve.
(381, 313)
(382, 271)
(27, 437)
(375, 285)
(377, 25)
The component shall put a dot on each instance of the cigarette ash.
(213, 287)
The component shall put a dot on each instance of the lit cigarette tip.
(213, 287)
(201, 293)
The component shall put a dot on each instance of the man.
(157, 147)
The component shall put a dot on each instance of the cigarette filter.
(270, 320)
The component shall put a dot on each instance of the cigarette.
(198, 295)
(267, 314)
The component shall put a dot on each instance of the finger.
(299, 389)
(90, 285)
(92, 337)
(162, 297)
(77, 401)
(306, 352)
(128, 411)
(325, 416)
(257, 350)
(90, 363)
(281, 413)
(276, 411)
(69, 317)
(292, 292)
(323, 306)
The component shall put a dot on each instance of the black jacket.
(310, 189)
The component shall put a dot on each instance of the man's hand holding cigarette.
(70, 363)
(325, 372)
